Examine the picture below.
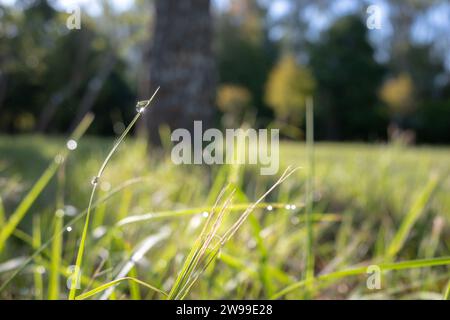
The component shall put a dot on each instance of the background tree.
(245, 54)
(182, 64)
(348, 79)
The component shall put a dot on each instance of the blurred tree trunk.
(182, 64)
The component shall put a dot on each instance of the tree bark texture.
(182, 64)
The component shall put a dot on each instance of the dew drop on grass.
(70, 211)
(94, 180)
(140, 106)
(71, 144)
(40, 269)
(59, 213)
(69, 229)
(288, 207)
(205, 214)
(269, 208)
(99, 232)
(293, 207)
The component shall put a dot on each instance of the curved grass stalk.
(115, 282)
(142, 105)
(402, 265)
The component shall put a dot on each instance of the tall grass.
(372, 205)
(140, 107)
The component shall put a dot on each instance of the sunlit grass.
(381, 204)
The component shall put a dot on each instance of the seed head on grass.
(205, 249)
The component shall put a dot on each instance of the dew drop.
(205, 214)
(293, 207)
(40, 269)
(295, 220)
(69, 229)
(140, 106)
(251, 244)
(269, 208)
(94, 180)
(70, 211)
(59, 213)
(288, 207)
(99, 232)
(71, 144)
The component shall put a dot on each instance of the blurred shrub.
(397, 93)
(288, 87)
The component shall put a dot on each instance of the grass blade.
(411, 217)
(447, 292)
(42, 182)
(115, 282)
(56, 251)
(403, 265)
(95, 180)
(192, 211)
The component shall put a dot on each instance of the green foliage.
(288, 87)
(56, 69)
(245, 55)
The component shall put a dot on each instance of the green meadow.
(157, 230)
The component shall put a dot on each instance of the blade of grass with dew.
(114, 283)
(192, 211)
(142, 105)
(73, 221)
(42, 182)
(402, 265)
(411, 217)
